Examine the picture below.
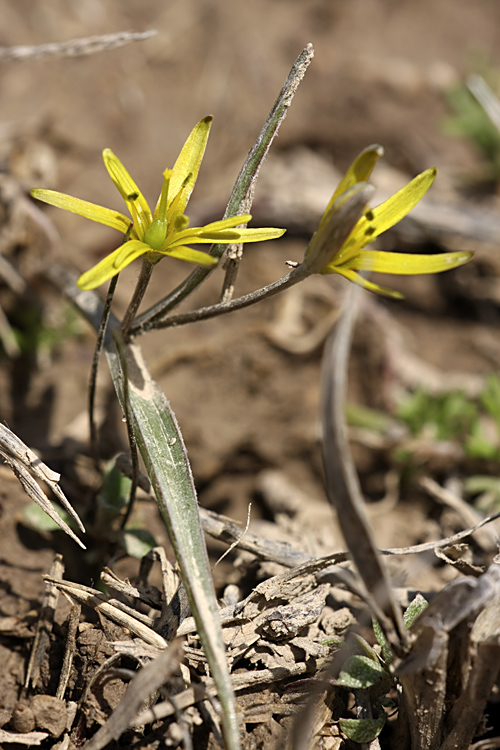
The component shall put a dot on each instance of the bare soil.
(246, 387)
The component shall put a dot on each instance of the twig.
(90, 45)
(117, 611)
(69, 651)
(41, 641)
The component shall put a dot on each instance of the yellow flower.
(324, 255)
(164, 231)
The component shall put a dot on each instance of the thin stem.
(120, 346)
(137, 297)
(231, 266)
(213, 311)
(94, 450)
(241, 198)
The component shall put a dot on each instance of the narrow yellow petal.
(368, 285)
(259, 234)
(88, 210)
(111, 264)
(383, 217)
(406, 264)
(128, 252)
(232, 221)
(135, 200)
(206, 236)
(191, 256)
(188, 162)
(359, 171)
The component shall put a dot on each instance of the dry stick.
(242, 191)
(44, 625)
(69, 652)
(74, 47)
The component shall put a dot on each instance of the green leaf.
(379, 635)
(113, 495)
(137, 542)
(162, 448)
(490, 397)
(362, 730)
(39, 520)
(414, 609)
(360, 672)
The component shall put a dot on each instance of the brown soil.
(245, 388)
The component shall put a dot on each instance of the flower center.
(156, 234)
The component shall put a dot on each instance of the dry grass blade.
(117, 611)
(90, 45)
(242, 197)
(342, 483)
(147, 681)
(22, 461)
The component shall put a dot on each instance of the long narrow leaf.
(160, 443)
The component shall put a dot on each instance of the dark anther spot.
(369, 215)
(369, 231)
(132, 196)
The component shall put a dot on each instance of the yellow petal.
(209, 234)
(359, 171)
(384, 216)
(191, 256)
(128, 252)
(406, 264)
(136, 202)
(112, 264)
(232, 221)
(188, 163)
(369, 285)
(88, 210)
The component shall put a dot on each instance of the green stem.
(94, 450)
(213, 311)
(137, 297)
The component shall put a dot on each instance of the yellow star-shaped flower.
(351, 256)
(165, 230)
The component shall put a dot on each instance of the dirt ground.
(245, 387)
